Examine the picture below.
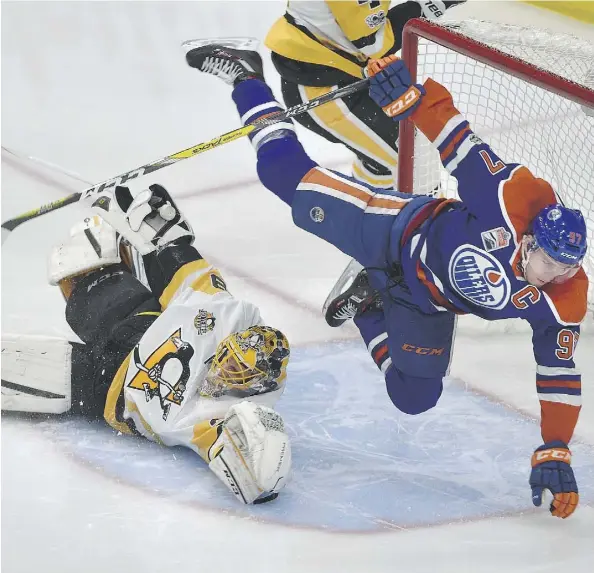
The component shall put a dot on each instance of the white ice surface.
(98, 88)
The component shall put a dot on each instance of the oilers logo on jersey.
(479, 277)
(152, 376)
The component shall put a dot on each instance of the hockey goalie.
(182, 363)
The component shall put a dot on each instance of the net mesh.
(523, 123)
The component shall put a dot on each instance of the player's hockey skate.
(231, 59)
(351, 296)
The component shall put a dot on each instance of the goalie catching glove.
(252, 454)
(148, 221)
(551, 470)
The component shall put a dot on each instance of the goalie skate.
(351, 296)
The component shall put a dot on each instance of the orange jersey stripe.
(438, 298)
(454, 142)
(558, 421)
(383, 350)
(318, 177)
(559, 384)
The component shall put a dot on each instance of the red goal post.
(529, 93)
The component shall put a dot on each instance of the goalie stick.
(13, 223)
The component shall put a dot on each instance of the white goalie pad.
(36, 374)
(92, 244)
(254, 460)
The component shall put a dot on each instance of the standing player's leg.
(357, 122)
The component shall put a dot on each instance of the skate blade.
(346, 279)
(237, 43)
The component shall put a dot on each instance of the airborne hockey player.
(507, 249)
(184, 363)
(319, 45)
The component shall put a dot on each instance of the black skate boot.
(351, 296)
(231, 59)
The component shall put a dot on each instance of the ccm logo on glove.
(404, 102)
(551, 455)
(551, 470)
(392, 89)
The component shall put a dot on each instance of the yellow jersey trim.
(113, 395)
(178, 279)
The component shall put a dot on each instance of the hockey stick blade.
(122, 179)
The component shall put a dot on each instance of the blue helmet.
(561, 233)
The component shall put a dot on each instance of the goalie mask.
(247, 363)
(553, 252)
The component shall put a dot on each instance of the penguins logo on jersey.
(165, 373)
(204, 321)
(479, 277)
(375, 20)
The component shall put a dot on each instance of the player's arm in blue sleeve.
(486, 184)
(558, 382)
(354, 217)
(556, 331)
(555, 317)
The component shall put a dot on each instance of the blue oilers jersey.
(467, 258)
(454, 256)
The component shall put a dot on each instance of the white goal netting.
(541, 126)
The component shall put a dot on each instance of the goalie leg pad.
(36, 374)
(105, 299)
(252, 456)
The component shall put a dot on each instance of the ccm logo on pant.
(422, 350)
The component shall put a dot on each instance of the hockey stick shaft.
(122, 179)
